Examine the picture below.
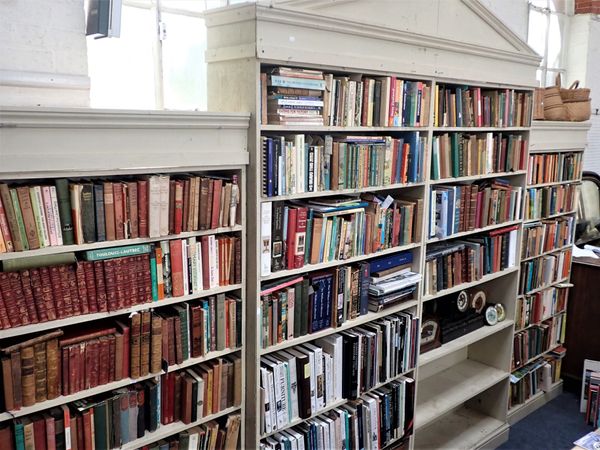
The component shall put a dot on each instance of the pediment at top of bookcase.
(457, 22)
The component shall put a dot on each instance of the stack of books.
(292, 96)
(554, 167)
(391, 282)
(460, 155)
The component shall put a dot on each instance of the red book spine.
(73, 290)
(95, 369)
(89, 363)
(50, 433)
(87, 430)
(172, 206)
(101, 297)
(205, 265)
(9, 300)
(39, 434)
(111, 284)
(291, 238)
(238, 260)
(48, 293)
(178, 213)
(132, 189)
(28, 296)
(131, 295)
(66, 291)
(90, 284)
(82, 289)
(139, 279)
(73, 368)
(146, 277)
(112, 344)
(119, 283)
(216, 203)
(300, 237)
(176, 267)
(4, 322)
(65, 370)
(15, 283)
(142, 191)
(104, 361)
(38, 296)
(119, 219)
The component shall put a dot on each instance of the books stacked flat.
(294, 96)
(391, 281)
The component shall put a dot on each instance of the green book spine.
(118, 252)
(64, 211)
(183, 316)
(38, 214)
(153, 279)
(19, 435)
(17, 207)
(100, 426)
(455, 155)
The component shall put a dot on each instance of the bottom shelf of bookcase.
(448, 389)
(518, 412)
(165, 431)
(463, 428)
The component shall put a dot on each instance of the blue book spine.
(99, 204)
(458, 98)
(413, 157)
(270, 165)
(457, 209)
(405, 90)
(396, 259)
(125, 425)
(450, 218)
(327, 300)
(300, 83)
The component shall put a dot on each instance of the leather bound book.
(101, 297)
(172, 354)
(135, 330)
(7, 384)
(111, 283)
(17, 289)
(88, 207)
(145, 343)
(126, 212)
(39, 432)
(186, 205)
(196, 199)
(28, 217)
(27, 376)
(119, 284)
(202, 214)
(132, 199)
(176, 267)
(65, 291)
(224, 397)
(50, 431)
(178, 208)
(89, 364)
(205, 262)
(216, 203)
(48, 295)
(112, 357)
(27, 290)
(176, 401)
(142, 191)
(73, 290)
(39, 352)
(109, 211)
(209, 203)
(52, 369)
(131, 270)
(237, 381)
(104, 361)
(15, 363)
(146, 278)
(87, 268)
(4, 320)
(119, 219)
(72, 376)
(156, 344)
(82, 290)
(178, 340)
(118, 372)
(124, 329)
(77, 441)
(196, 330)
(186, 398)
(94, 369)
(10, 301)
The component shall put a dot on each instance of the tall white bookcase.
(462, 387)
(42, 144)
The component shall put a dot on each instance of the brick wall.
(587, 6)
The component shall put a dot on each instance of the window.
(158, 62)
(548, 22)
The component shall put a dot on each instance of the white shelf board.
(360, 320)
(444, 391)
(337, 262)
(554, 183)
(462, 286)
(33, 328)
(463, 341)
(164, 431)
(107, 244)
(341, 192)
(464, 428)
(475, 231)
(566, 213)
(482, 176)
(335, 128)
(554, 250)
(480, 129)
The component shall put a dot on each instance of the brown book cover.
(39, 351)
(94, 369)
(156, 345)
(209, 203)
(28, 296)
(216, 203)
(204, 201)
(196, 328)
(17, 289)
(73, 373)
(119, 285)
(196, 200)
(224, 398)
(237, 381)
(10, 301)
(186, 205)
(178, 341)
(177, 396)
(186, 398)
(11, 218)
(101, 297)
(57, 290)
(110, 278)
(135, 352)
(64, 363)
(15, 363)
(104, 361)
(39, 432)
(90, 284)
(66, 291)
(172, 344)
(7, 384)
(73, 290)
(28, 376)
(119, 209)
(119, 356)
(145, 343)
(28, 217)
(53, 367)
(124, 329)
(172, 206)
(109, 211)
(4, 321)
(47, 291)
(82, 290)
(142, 192)
(132, 201)
(217, 367)
(165, 339)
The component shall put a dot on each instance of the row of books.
(122, 416)
(372, 422)
(463, 106)
(108, 281)
(300, 382)
(535, 308)
(297, 306)
(463, 261)
(68, 212)
(292, 96)
(459, 208)
(549, 200)
(535, 340)
(544, 271)
(592, 411)
(460, 155)
(295, 234)
(534, 378)
(554, 167)
(547, 235)
(306, 163)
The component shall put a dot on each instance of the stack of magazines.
(391, 281)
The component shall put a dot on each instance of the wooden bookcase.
(462, 387)
(552, 138)
(42, 144)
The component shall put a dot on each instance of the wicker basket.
(575, 93)
(554, 109)
(578, 111)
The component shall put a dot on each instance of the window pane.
(122, 69)
(184, 68)
(556, 40)
(536, 37)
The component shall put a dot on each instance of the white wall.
(514, 13)
(43, 53)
